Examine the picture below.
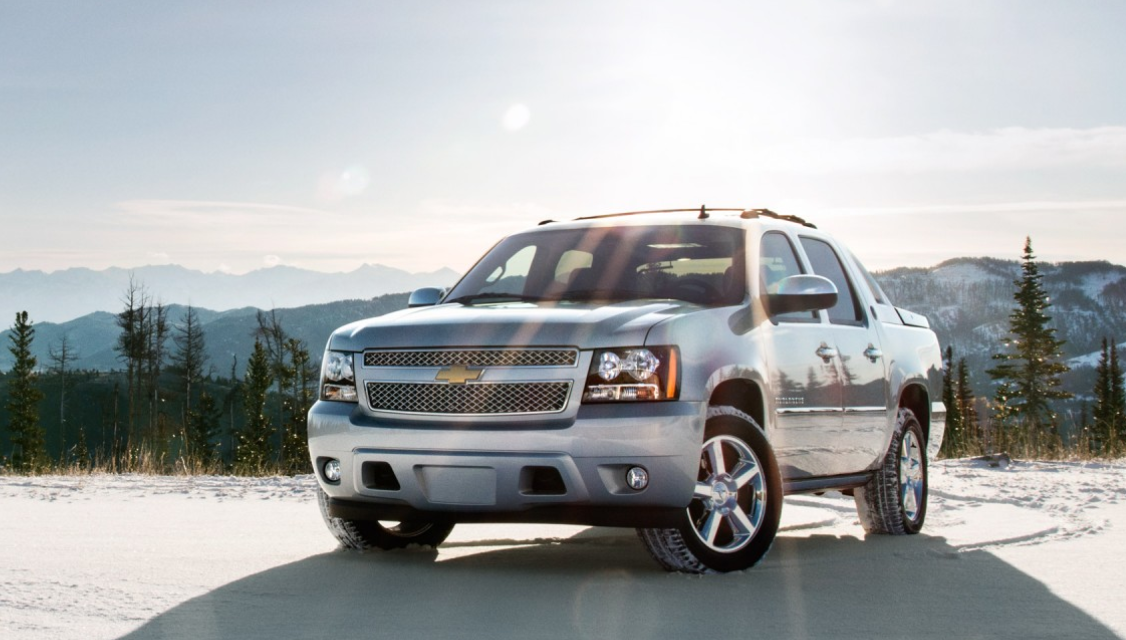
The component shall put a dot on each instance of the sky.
(235, 136)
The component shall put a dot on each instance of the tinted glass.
(700, 264)
(874, 287)
(825, 262)
(778, 260)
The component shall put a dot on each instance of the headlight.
(633, 374)
(338, 378)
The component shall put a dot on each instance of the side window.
(873, 287)
(778, 260)
(511, 276)
(826, 263)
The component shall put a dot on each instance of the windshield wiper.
(492, 296)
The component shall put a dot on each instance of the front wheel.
(370, 534)
(895, 499)
(736, 506)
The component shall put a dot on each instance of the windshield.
(697, 264)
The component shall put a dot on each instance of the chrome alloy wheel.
(911, 481)
(729, 502)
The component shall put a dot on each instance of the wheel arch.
(742, 394)
(916, 397)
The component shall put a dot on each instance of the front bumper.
(536, 471)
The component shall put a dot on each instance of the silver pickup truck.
(679, 372)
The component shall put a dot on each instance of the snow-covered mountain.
(65, 295)
(968, 302)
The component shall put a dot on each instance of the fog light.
(637, 478)
(332, 471)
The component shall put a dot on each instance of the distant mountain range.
(229, 335)
(65, 295)
(968, 301)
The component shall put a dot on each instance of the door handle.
(826, 353)
(873, 354)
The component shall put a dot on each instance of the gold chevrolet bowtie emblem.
(458, 374)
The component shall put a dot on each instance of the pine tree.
(188, 360)
(61, 359)
(1117, 401)
(80, 453)
(1102, 430)
(295, 445)
(202, 430)
(953, 442)
(254, 450)
(966, 406)
(28, 446)
(130, 348)
(1029, 367)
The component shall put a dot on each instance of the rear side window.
(874, 287)
(777, 261)
(825, 262)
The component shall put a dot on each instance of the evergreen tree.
(295, 445)
(966, 406)
(1102, 430)
(202, 430)
(1117, 401)
(61, 359)
(254, 450)
(274, 340)
(28, 446)
(80, 453)
(189, 358)
(130, 348)
(953, 442)
(1029, 366)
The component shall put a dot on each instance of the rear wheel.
(737, 503)
(372, 534)
(895, 500)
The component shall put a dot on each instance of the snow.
(1018, 551)
(966, 270)
(1094, 283)
(1091, 359)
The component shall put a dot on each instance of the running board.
(825, 483)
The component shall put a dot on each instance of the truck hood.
(586, 326)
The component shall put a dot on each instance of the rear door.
(860, 359)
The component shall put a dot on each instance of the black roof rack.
(767, 213)
(703, 212)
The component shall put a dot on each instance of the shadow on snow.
(602, 584)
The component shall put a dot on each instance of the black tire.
(732, 522)
(362, 535)
(895, 500)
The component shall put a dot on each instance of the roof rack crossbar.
(702, 214)
(703, 211)
(767, 213)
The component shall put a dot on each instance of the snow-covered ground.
(1031, 550)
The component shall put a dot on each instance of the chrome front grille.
(472, 358)
(501, 398)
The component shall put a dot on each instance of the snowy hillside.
(1028, 550)
(968, 302)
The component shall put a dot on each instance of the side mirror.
(426, 297)
(801, 293)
